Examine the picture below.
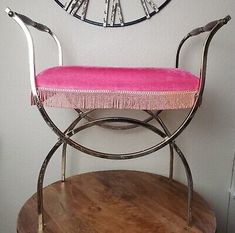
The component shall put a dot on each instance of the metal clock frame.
(151, 14)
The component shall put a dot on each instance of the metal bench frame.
(65, 139)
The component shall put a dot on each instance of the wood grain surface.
(117, 202)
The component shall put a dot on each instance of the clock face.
(112, 13)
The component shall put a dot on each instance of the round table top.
(117, 202)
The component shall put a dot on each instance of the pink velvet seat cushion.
(113, 87)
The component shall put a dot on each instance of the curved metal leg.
(81, 115)
(189, 180)
(185, 163)
(167, 132)
(63, 162)
(61, 141)
(171, 167)
(71, 130)
(40, 185)
(74, 131)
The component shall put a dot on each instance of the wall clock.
(112, 13)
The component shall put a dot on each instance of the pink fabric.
(120, 88)
(110, 78)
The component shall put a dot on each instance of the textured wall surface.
(25, 139)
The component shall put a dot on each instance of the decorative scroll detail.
(151, 4)
(116, 10)
(74, 6)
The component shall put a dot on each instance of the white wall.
(25, 139)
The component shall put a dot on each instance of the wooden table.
(117, 202)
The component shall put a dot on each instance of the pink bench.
(118, 88)
(91, 88)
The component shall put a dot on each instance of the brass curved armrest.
(212, 28)
(24, 21)
(28, 21)
(207, 28)
(39, 26)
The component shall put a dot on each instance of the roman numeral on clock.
(151, 4)
(73, 7)
(116, 10)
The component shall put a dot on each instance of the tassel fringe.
(116, 99)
